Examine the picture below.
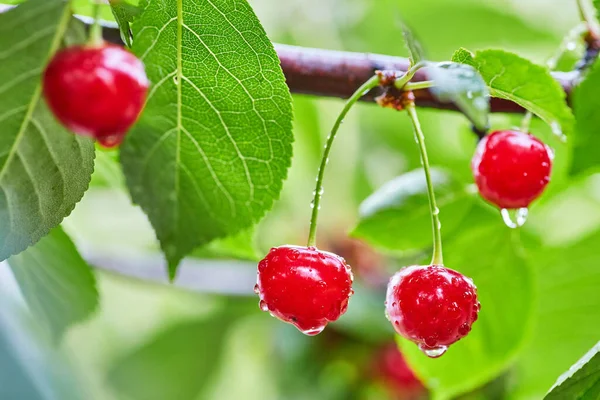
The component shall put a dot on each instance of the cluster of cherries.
(99, 90)
(431, 305)
(96, 90)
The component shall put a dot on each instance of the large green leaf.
(491, 256)
(567, 317)
(176, 364)
(57, 283)
(396, 217)
(517, 79)
(586, 141)
(44, 170)
(581, 381)
(209, 154)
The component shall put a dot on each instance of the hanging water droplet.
(263, 305)
(176, 79)
(433, 352)
(256, 289)
(313, 331)
(312, 204)
(436, 211)
(514, 218)
(387, 316)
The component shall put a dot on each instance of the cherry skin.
(304, 286)
(96, 90)
(511, 168)
(432, 306)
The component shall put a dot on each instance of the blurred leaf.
(240, 246)
(124, 14)
(581, 381)
(412, 44)
(567, 315)
(491, 256)
(44, 170)
(107, 170)
(517, 79)
(586, 140)
(396, 217)
(462, 85)
(30, 368)
(176, 364)
(212, 148)
(597, 7)
(58, 285)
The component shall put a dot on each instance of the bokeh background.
(204, 337)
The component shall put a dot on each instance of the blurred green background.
(205, 338)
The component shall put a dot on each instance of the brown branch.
(330, 73)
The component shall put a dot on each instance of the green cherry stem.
(96, 28)
(418, 85)
(316, 203)
(404, 79)
(434, 210)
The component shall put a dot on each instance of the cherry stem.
(590, 20)
(526, 122)
(437, 258)
(404, 79)
(410, 86)
(316, 203)
(96, 28)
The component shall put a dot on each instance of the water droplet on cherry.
(433, 352)
(514, 218)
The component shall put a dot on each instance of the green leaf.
(586, 140)
(240, 246)
(209, 154)
(567, 315)
(124, 14)
(491, 256)
(58, 285)
(581, 381)
(462, 85)
(176, 364)
(517, 79)
(412, 44)
(44, 170)
(396, 217)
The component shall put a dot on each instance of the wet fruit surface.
(304, 286)
(511, 168)
(96, 91)
(432, 306)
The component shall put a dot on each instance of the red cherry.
(395, 372)
(511, 168)
(96, 91)
(432, 306)
(304, 286)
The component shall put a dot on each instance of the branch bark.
(330, 73)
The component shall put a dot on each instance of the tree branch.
(330, 73)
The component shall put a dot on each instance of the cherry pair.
(431, 305)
